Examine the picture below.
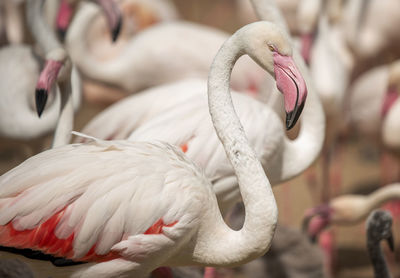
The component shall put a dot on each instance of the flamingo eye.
(271, 47)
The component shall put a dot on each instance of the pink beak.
(47, 78)
(291, 84)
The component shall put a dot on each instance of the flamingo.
(159, 54)
(373, 101)
(379, 227)
(18, 82)
(137, 15)
(372, 96)
(157, 208)
(20, 73)
(347, 209)
(370, 29)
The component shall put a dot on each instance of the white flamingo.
(20, 73)
(371, 26)
(159, 54)
(371, 97)
(370, 29)
(137, 15)
(373, 111)
(156, 208)
(348, 209)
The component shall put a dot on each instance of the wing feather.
(122, 118)
(102, 192)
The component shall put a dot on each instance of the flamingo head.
(57, 64)
(316, 220)
(271, 48)
(110, 8)
(379, 227)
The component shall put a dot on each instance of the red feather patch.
(43, 238)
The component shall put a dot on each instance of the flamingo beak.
(64, 17)
(113, 15)
(47, 78)
(41, 100)
(291, 84)
(390, 242)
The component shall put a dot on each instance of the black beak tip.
(391, 243)
(117, 30)
(41, 99)
(61, 34)
(293, 116)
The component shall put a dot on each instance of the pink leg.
(327, 242)
(312, 183)
(326, 190)
(336, 176)
(210, 272)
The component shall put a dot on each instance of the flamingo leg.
(210, 272)
(326, 190)
(327, 243)
(312, 183)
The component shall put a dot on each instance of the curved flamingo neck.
(385, 194)
(112, 71)
(48, 41)
(217, 244)
(378, 259)
(62, 134)
(42, 32)
(297, 155)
